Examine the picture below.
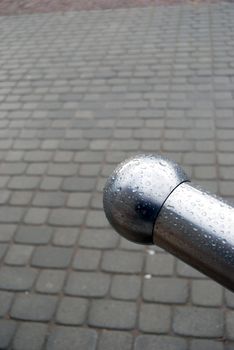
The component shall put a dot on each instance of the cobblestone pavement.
(79, 93)
(12, 7)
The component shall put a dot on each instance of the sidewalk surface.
(80, 92)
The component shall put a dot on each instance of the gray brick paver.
(80, 92)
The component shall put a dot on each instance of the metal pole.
(149, 200)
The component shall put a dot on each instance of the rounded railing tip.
(135, 192)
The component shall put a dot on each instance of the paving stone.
(78, 200)
(115, 340)
(90, 169)
(49, 199)
(30, 336)
(18, 254)
(11, 214)
(102, 311)
(76, 184)
(72, 311)
(89, 157)
(149, 342)
(160, 264)
(36, 216)
(198, 322)
(73, 145)
(230, 325)
(119, 261)
(17, 278)
(33, 234)
(71, 338)
(6, 232)
(52, 257)
(21, 197)
(66, 236)
(62, 169)
(23, 182)
(50, 281)
(5, 302)
(33, 307)
(185, 270)
(204, 344)
(154, 318)
(100, 239)
(125, 287)
(87, 259)
(66, 217)
(229, 298)
(12, 168)
(51, 183)
(165, 290)
(87, 284)
(97, 219)
(7, 330)
(206, 293)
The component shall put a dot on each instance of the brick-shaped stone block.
(125, 287)
(52, 257)
(165, 290)
(119, 261)
(154, 318)
(71, 338)
(17, 278)
(149, 342)
(102, 311)
(87, 284)
(33, 307)
(50, 281)
(115, 340)
(72, 311)
(30, 336)
(160, 264)
(198, 322)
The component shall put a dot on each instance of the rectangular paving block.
(30, 336)
(65, 236)
(49, 199)
(72, 311)
(11, 214)
(102, 311)
(33, 307)
(7, 330)
(160, 264)
(62, 338)
(66, 217)
(229, 325)
(206, 293)
(52, 257)
(115, 340)
(154, 318)
(18, 254)
(86, 259)
(120, 261)
(205, 344)
(6, 232)
(50, 281)
(165, 290)
(98, 238)
(125, 287)
(17, 278)
(87, 284)
(198, 322)
(149, 342)
(33, 234)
